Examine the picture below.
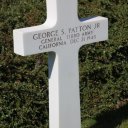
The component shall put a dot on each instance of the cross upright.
(62, 35)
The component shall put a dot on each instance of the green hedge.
(23, 80)
(23, 105)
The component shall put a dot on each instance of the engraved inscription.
(69, 36)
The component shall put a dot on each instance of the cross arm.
(27, 40)
(93, 29)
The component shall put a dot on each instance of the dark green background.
(103, 68)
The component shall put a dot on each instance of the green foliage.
(23, 105)
(24, 82)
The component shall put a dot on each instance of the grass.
(124, 124)
(90, 123)
(111, 119)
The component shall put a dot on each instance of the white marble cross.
(62, 35)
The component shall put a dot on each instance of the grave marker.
(62, 35)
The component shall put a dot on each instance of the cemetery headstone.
(61, 36)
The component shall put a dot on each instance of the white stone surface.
(62, 35)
